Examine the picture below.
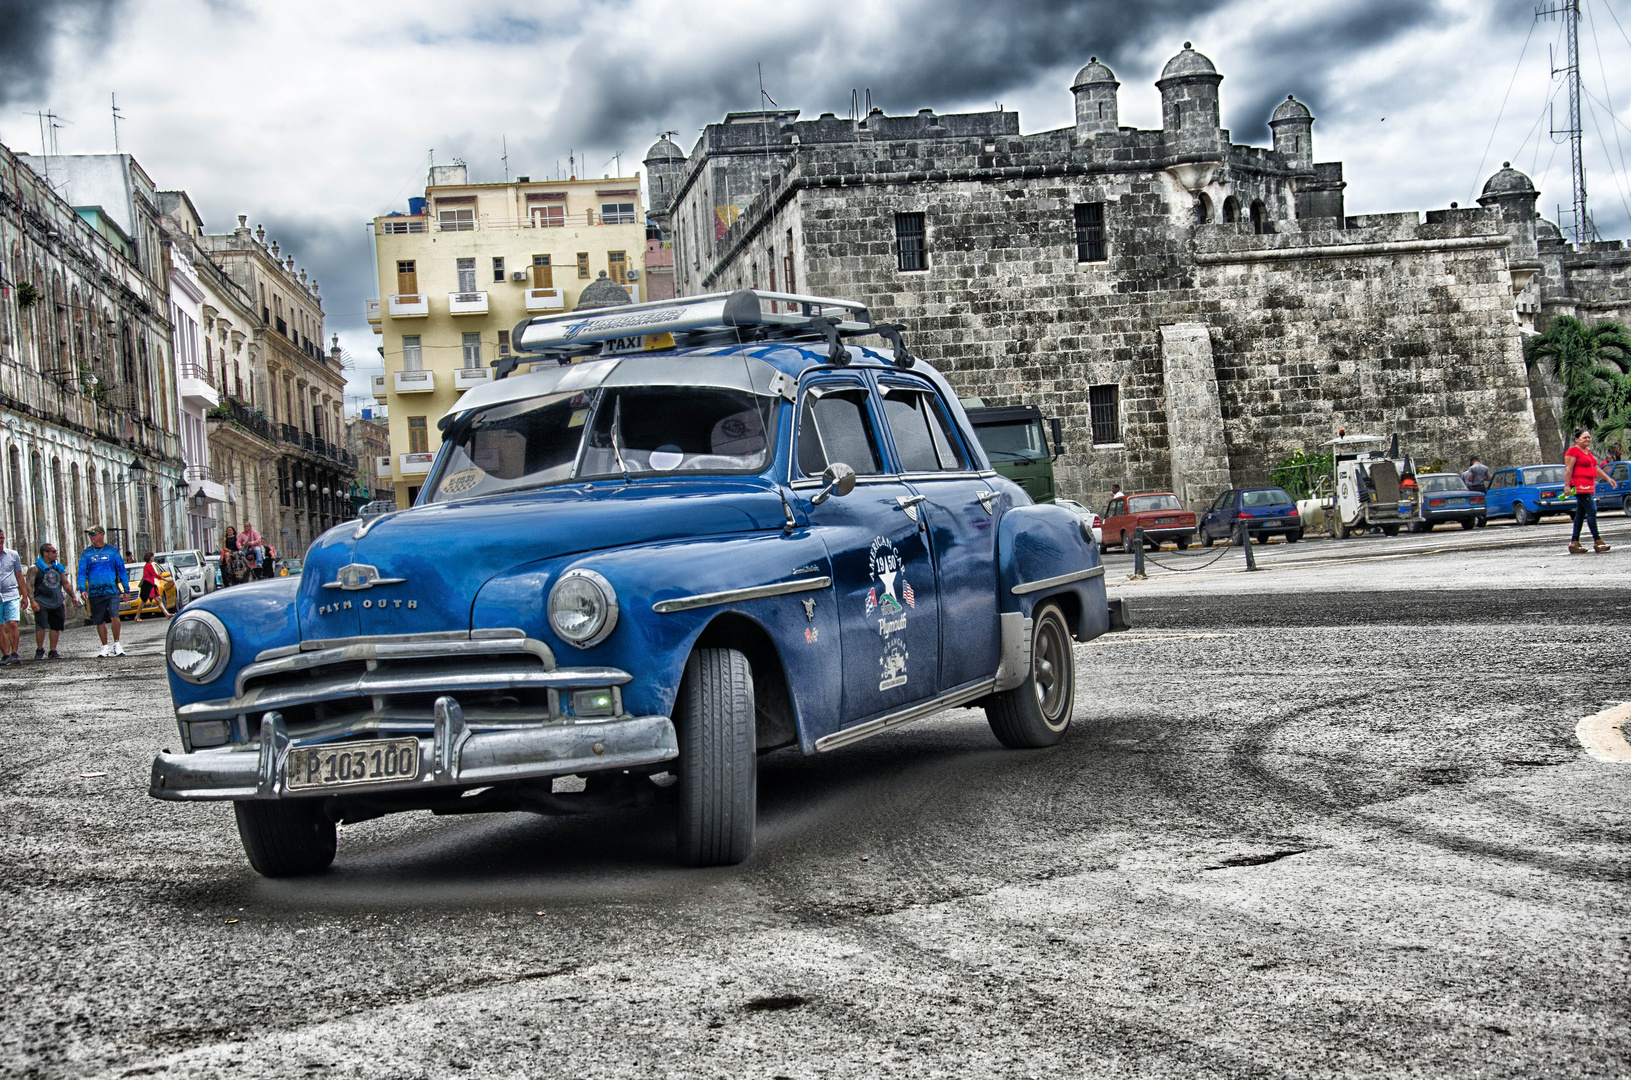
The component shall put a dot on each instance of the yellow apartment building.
(462, 267)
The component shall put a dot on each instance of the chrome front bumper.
(453, 756)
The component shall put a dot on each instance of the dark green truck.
(1017, 445)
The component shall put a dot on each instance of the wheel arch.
(775, 719)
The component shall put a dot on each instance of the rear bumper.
(452, 757)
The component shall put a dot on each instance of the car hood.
(430, 561)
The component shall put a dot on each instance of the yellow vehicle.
(131, 605)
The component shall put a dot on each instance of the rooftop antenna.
(572, 163)
(505, 142)
(117, 116)
(50, 124)
(617, 157)
(1583, 228)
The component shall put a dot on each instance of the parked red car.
(1159, 513)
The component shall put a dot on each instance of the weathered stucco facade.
(1210, 304)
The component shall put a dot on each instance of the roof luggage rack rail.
(734, 318)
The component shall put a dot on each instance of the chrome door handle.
(909, 503)
(987, 498)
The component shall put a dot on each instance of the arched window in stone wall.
(14, 480)
(77, 505)
(1260, 216)
(36, 484)
(1231, 210)
(59, 324)
(1203, 208)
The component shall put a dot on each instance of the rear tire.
(1126, 544)
(719, 761)
(1469, 523)
(1037, 712)
(1293, 536)
(286, 839)
(1522, 516)
(1390, 530)
(1183, 543)
(1342, 530)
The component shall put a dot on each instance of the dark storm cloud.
(928, 53)
(28, 34)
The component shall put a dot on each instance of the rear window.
(1544, 474)
(1139, 504)
(1270, 497)
(1441, 483)
(184, 559)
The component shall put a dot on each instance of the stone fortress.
(1193, 309)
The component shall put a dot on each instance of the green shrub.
(1304, 475)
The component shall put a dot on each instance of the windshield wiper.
(617, 422)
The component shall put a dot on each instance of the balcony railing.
(251, 420)
(467, 303)
(196, 384)
(414, 382)
(408, 305)
(373, 311)
(546, 300)
(200, 473)
(378, 383)
(416, 464)
(465, 378)
(395, 225)
(199, 372)
(289, 433)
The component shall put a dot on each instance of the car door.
(1115, 520)
(1498, 499)
(883, 575)
(958, 513)
(1210, 520)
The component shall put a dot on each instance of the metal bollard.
(1138, 552)
(1246, 542)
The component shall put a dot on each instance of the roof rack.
(734, 318)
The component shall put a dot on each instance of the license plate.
(1165, 521)
(1458, 502)
(340, 764)
(1274, 521)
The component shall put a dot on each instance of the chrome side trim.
(395, 650)
(1063, 579)
(731, 596)
(922, 709)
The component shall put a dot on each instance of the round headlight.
(197, 646)
(583, 608)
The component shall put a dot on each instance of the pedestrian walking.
(1581, 470)
(151, 587)
(48, 580)
(1477, 475)
(13, 593)
(103, 580)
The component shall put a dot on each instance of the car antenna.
(617, 422)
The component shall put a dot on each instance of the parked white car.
(192, 576)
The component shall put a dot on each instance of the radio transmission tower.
(1569, 10)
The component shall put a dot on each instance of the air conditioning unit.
(518, 275)
(633, 275)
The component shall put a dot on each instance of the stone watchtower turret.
(1189, 103)
(1095, 89)
(1511, 191)
(1293, 128)
(665, 165)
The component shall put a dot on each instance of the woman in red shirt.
(1581, 470)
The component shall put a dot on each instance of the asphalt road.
(1326, 820)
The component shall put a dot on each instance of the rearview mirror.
(840, 480)
(1058, 438)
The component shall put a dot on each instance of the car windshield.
(1018, 441)
(1441, 483)
(637, 430)
(1139, 504)
(1545, 474)
(184, 559)
(1271, 497)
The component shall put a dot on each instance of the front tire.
(1390, 530)
(719, 762)
(1037, 712)
(286, 839)
(1206, 538)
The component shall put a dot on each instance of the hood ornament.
(355, 577)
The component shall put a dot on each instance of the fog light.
(593, 703)
(204, 733)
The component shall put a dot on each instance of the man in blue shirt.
(103, 580)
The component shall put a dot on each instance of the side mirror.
(840, 479)
(1058, 438)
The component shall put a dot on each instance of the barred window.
(1090, 232)
(1104, 412)
(910, 247)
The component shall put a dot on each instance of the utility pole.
(1584, 230)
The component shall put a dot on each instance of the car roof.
(1145, 494)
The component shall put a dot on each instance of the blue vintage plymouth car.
(693, 532)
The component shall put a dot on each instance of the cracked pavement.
(1328, 820)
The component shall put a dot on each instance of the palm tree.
(1594, 364)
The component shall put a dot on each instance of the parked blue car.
(1266, 511)
(1527, 493)
(696, 531)
(1614, 498)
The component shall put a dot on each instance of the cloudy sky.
(311, 117)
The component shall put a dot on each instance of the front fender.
(652, 646)
(258, 615)
(1036, 544)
